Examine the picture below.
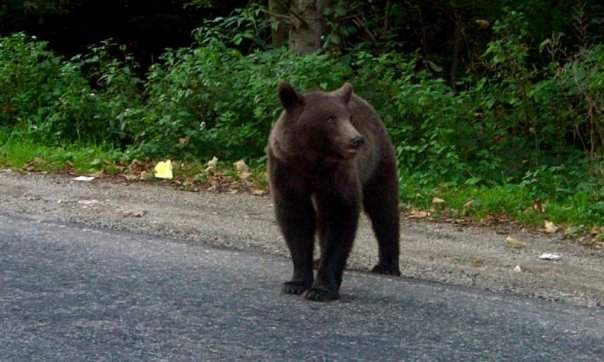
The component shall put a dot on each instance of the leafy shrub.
(112, 72)
(246, 28)
(581, 83)
(57, 101)
(438, 134)
(512, 124)
(30, 78)
(214, 101)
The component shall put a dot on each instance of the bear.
(329, 156)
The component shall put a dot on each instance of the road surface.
(447, 253)
(74, 293)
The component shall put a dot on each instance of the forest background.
(495, 107)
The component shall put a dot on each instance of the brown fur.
(328, 156)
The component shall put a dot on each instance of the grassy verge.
(20, 152)
(24, 153)
(573, 215)
(576, 214)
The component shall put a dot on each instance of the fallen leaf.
(163, 170)
(134, 213)
(510, 242)
(550, 227)
(242, 169)
(241, 166)
(145, 176)
(418, 214)
(212, 164)
(258, 192)
(538, 207)
(32, 165)
(573, 231)
(437, 201)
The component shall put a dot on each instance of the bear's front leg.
(296, 218)
(337, 221)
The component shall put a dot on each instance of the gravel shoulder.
(443, 253)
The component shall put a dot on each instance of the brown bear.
(328, 154)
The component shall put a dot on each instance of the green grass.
(514, 201)
(19, 152)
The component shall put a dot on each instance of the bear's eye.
(331, 119)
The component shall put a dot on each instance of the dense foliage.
(525, 112)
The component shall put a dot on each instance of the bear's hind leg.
(380, 200)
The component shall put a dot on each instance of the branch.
(290, 11)
(361, 24)
(275, 15)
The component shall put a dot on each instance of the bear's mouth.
(349, 152)
(343, 154)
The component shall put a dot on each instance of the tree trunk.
(307, 25)
(457, 47)
(279, 10)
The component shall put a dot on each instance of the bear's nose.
(357, 142)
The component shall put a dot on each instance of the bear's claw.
(320, 295)
(294, 287)
(386, 270)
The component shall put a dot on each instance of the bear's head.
(318, 123)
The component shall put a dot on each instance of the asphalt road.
(71, 293)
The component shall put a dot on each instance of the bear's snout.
(357, 142)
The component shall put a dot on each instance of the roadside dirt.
(444, 253)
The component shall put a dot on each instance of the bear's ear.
(345, 92)
(289, 97)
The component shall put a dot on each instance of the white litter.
(88, 202)
(84, 178)
(550, 256)
(517, 269)
(163, 170)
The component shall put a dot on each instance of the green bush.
(31, 79)
(56, 101)
(214, 101)
(537, 133)
(581, 83)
